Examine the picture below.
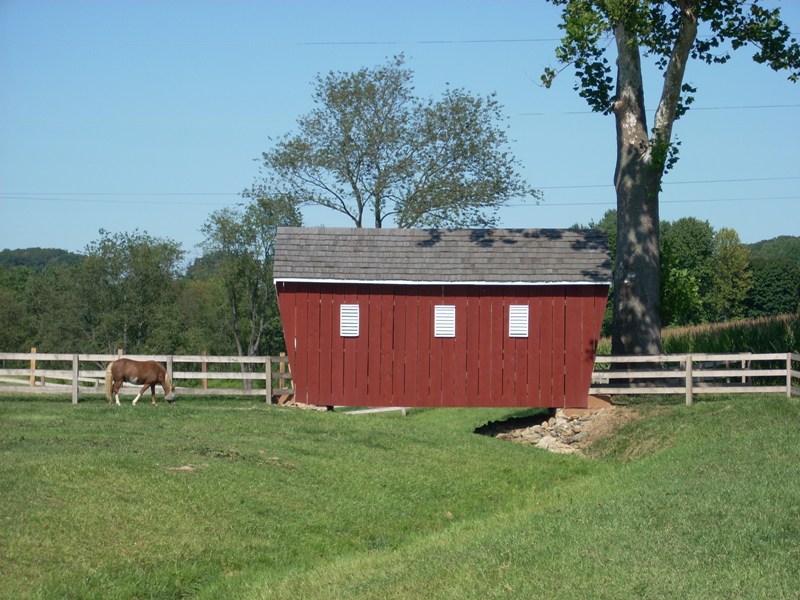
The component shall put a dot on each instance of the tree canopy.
(372, 147)
(665, 32)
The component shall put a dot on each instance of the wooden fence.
(691, 374)
(265, 376)
(270, 376)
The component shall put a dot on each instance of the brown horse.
(148, 373)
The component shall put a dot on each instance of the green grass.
(237, 500)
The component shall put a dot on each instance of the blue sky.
(150, 115)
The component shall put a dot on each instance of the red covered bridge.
(412, 317)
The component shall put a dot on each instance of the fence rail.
(270, 376)
(266, 376)
(691, 374)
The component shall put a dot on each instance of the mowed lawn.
(231, 499)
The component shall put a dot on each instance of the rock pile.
(564, 433)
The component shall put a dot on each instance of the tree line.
(708, 275)
(133, 291)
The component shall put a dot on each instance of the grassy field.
(211, 499)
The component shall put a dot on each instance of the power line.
(691, 182)
(692, 201)
(693, 108)
(28, 198)
(49, 195)
(378, 42)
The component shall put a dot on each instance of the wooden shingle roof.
(445, 256)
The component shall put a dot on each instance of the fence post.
(689, 381)
(268, 383)
(74, 378)
(32, 381)
(203, 369)
(788, 374)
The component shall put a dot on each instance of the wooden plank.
(399, 334)
(559, 346)
(521, 349)
(577, 310)
(374, 349)
(456, 390)
(349, 368)
(660, 358)
(327, 321)
(299, 359)
(546, 348)
(637, 391)
(312, 345)
(437, 348)
(386, 347)
(410, 373)
(361, 390)
(372, 411)
(335, 344)
(534, 349)
(487, 395)
(75, 381)
(472, 358)
(497, 358)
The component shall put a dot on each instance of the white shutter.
(518, 321)
(444, 320)
(348, 320)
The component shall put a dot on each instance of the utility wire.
(26, 195)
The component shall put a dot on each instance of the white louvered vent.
(348, 320)
(518, 321)
(444, 321)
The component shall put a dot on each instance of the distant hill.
(784, 246)
(37, 258)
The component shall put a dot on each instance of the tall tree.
(733, 278)
(241, 244)
(128, 290)
(667, 32)
(370, 146)
(687, 250)
(776, 287)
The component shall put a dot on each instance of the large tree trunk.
(641, 161)
(637, 284)
(637, 324)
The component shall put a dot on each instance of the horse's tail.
(109, 377)
(168, 384)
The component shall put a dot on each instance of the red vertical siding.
(458, 359)
(575, 307)
(436, 351)
(396, 360)
(534, 358)
(486, 387)
(387, 349)
(338, 351)
(411, 333)
(425, 338)
(472, 368)
(559, 346)
(325, 344)
(398, 350)
(497, 354)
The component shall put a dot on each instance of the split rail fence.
(691, 374)
(200, 375)
(270, 376)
